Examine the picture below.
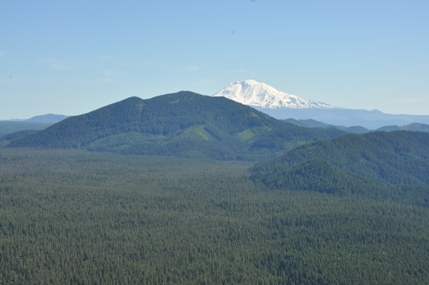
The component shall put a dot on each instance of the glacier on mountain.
(256, 94)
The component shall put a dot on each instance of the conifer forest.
(78, 217)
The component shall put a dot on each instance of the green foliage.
(314, 175)
(196, 132)
(318, 175)
(400, 158)
(180, 124)
(309, 123)
(171, 124)
(5, 140)
(291, 136)
(74, 217)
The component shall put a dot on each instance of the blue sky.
(71, 57)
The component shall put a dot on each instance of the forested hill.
(351, 163)
(183, 123)
(177, 122)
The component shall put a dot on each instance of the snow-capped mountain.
(281, 105)
(256, 94)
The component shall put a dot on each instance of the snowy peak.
(253, 93)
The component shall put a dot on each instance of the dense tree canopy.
(400, 158)
(74, 217)
(179, 124)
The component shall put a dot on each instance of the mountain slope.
(309, 123)
(282, 106)
(253, 93)
(316, 175)
(291, 136)
(9, 127)
(183, 122)
(400, 158)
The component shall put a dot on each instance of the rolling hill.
(378, 161)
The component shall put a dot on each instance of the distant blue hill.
(35, 123)
(48, 118)
(346, 117)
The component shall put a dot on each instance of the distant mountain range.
(282, 105)
(309, 123)
(9, 127)
(48, 118)
(278, 104)
(35, 123)
(371, 120)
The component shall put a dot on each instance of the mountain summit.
(281, 105)
(256, 94)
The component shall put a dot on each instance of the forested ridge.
(394, 162)
(310, 123)
(76, 217)
(181, 124)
